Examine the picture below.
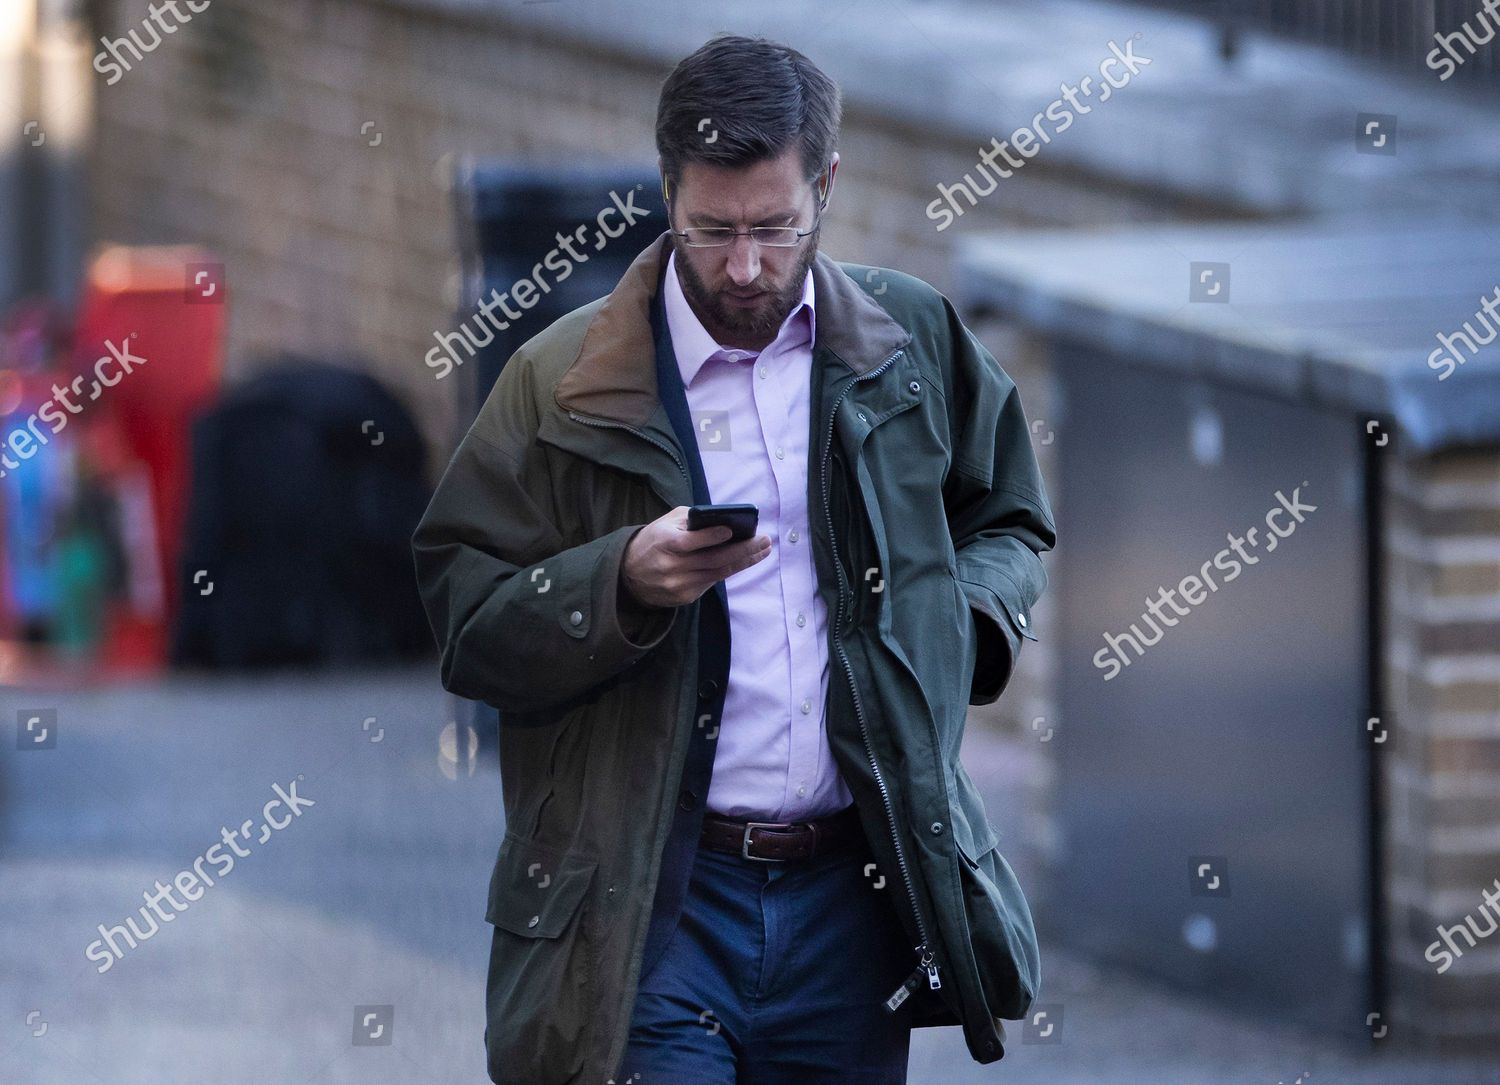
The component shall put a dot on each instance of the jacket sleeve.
(521, 621)
(998, 515)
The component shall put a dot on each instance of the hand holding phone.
(671, 562)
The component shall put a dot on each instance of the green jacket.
(928, 515)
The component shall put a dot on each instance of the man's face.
(743, 291)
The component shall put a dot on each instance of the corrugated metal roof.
(1342, 312)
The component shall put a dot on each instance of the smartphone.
(740, 519)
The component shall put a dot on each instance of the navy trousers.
(776, 975)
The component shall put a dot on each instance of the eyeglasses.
(772, 237)
(713, 237)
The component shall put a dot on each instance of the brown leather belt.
(780, 841)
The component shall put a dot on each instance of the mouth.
(744, 299)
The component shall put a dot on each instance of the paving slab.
(373, 897)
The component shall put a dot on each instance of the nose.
(744, 261)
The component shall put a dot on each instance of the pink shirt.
(750, 412)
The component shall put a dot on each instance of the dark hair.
(757, 95)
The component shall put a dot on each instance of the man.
(739, 845)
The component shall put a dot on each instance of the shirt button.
(801, 619)
(576, 618)
(533, 921)
(801, 791)
(806, 706)
(763, 373)
(780, 453)
(793, 535)
(1021, 618)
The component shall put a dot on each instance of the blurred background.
(241, 244)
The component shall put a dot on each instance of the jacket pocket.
(539, 993)
(1001, 935)
(975, 834)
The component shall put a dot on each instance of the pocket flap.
(981, 846)
(535, 889)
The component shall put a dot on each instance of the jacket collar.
(613, 377)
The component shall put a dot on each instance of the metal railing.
(1399, 33)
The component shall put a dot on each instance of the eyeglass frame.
(827, 181)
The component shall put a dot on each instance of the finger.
(714, 558)
(685, 541)
(675, 520)
(749, 558)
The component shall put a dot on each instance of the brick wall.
(246, 131)
(1441, 775)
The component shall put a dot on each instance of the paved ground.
(374, 897)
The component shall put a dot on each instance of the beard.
(727, 324)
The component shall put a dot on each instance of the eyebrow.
(768, 220)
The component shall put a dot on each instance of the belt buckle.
(745, 844)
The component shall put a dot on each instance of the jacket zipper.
(590, 421)
(926, 965)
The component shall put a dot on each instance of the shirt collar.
(693, 345)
